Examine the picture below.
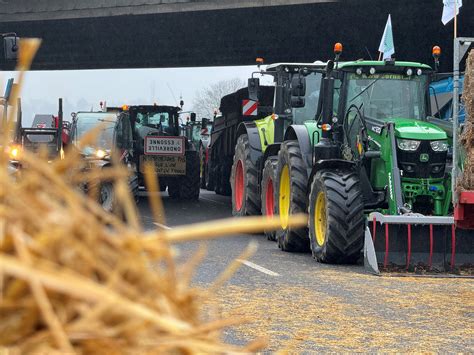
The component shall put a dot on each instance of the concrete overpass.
(85, 34)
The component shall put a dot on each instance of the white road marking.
(217, 202)
(162, 225)
(258, 267)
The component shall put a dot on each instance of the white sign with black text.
(155, 145)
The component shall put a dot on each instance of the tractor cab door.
(311, 97)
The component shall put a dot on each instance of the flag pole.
(455, 19)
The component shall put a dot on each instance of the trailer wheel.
(244, 181)
(189, 186)
(336, 217)
(269, 194)
(292, 192)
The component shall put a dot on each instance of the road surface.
(308, 307)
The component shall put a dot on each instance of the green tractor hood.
(415, 129)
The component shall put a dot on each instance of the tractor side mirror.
(193, 117)
(254, 88)
(204, 122)
(328, 97)
(11, 46)
(298, 86)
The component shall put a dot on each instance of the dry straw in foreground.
(76, 279)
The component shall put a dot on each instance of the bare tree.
(208, 99)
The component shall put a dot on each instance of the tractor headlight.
(14, 152)
(100, 154)
(439, 146)
(408, 144)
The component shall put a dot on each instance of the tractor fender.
(251, 130)
(334, 164)
(300, 134)
(272, 150)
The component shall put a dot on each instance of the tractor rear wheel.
(244, 181)
(210, 177)
(189, 185)
(336, 217)
(269, 192)
(292, 182)
(173, 189)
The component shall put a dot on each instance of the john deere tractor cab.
(258, 141)
(113, 143)
(161, 141)
(374, 156)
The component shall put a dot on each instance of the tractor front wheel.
(336, 217)
(244, 181)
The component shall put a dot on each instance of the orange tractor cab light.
(436, 52)
(125, 107)
(259, 61)
(338, 48)
(326, 127)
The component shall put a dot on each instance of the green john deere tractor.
(371, 157)
(258, 141)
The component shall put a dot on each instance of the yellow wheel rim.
(320, 219)
(284, 197)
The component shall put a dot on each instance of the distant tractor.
(114, 138)
(48, 135)
(198, 133)
(161, 141)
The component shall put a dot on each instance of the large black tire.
(341, 217)
(269, 192)
(222, 177)
(289, 157)
(244, 181)
(189, 185)
(134, 187)
(203, 176)
(107, 196)
(202, 166)
(173, 188)
(210, 177)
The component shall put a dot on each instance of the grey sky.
(83, 89)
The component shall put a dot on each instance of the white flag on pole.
(450, 10)
(387, 46)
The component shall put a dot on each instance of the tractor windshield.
(308, 112)
(162, 120)
(386, 96)
(87, 121)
